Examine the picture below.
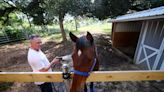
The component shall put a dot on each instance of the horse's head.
(84, 57)
(84, 52)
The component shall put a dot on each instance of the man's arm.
(45, 69)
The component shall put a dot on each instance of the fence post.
(66, 76)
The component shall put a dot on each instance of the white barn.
(144, 31)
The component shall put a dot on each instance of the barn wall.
(128, 26)
(149, 52)
(123, 39)
(139, 40)
(126, 33)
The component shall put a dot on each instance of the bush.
(5, 85)
(14, 34)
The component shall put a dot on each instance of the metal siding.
(153, 34)
(139, 41)
(160, 41)
(142, 55)
(151, 61)
(149, 33)
(161, 61)
(144, 65)
(128, 27)
(151, 45)
(162, 31)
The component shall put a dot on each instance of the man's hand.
(55, 61)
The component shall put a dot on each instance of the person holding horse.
(39, 62)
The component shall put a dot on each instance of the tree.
(103, 9)
(80, 8)
(60, 8)
(140, 5)
(43, 12)
(5, 10)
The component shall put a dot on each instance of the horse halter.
(86, 74)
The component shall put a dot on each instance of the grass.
(54, 33)
(57, 37)
(102, 27)
(97, 28)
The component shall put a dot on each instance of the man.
(39, 62)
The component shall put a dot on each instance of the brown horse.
(84, 61)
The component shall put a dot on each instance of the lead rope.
(94, 63)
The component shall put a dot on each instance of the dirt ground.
(14, 59)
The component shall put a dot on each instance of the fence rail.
(10, 37)
(98, 76)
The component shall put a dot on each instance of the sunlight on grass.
(101, 28)
(97, 28)
(57, 37)
(54, 37)
(54, 34)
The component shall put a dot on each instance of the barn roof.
(142, 15)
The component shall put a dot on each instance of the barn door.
(151, 45)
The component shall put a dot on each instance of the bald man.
(39, 62)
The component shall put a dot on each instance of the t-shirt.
(37, 61)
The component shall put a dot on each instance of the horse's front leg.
(90, 87)
(85, 88)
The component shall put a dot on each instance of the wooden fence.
(98, 76)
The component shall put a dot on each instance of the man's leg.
(46, 87)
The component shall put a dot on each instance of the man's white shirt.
(37, 61)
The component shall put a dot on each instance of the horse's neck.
(78, 83)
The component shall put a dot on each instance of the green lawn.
(98, 28)
(101, 28)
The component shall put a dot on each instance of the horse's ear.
(73, 37)
(89, 37)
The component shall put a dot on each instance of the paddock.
(110, 62)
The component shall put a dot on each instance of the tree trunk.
(29, 21)
(75, 22)
(62, 29)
